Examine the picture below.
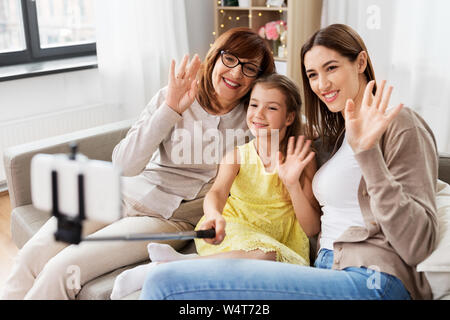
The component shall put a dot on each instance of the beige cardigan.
(397, 198)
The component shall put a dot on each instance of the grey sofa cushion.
(25, 222)
(100, 288)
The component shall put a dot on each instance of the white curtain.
(136, 39)
(408, 44)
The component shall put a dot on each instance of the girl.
(264, 197)
(377, 194)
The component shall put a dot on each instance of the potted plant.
(276, 31)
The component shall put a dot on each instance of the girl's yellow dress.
(259, 215)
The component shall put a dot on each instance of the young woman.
(377, 193)
(156, 183)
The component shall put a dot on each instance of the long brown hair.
(242, 42)
(346, 41)
(293, 103)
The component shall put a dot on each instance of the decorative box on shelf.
(268, 17)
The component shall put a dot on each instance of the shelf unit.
(302, 18)
(256, 15)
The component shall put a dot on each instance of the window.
(39, 30)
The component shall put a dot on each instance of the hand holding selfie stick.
(69, 228)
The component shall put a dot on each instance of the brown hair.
(293, 103)
(242, 42)
(346, 41)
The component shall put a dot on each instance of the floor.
(8, 249)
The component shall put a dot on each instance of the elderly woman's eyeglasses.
(249, 69)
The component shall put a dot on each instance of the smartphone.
(101, 186)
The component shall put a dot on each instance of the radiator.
(52, 124)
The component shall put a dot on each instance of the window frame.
(33, 51)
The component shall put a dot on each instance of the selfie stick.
(183, 235)
(69, 229)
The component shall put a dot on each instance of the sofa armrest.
(444, 167)
(95, 143)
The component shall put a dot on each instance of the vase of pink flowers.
(276, 32)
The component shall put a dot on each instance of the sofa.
(96, 143)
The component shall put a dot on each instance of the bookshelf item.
(302, 18)
(255, 14)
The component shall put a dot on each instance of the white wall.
(73, 100)
(40, 107)
(45, 94)
(54, 93)
(200, 24)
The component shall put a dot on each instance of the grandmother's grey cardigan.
(169, 157)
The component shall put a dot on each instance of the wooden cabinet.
(255, 14)
(302, 18)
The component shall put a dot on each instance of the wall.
(45, 94)
(200, 20)
(40, 107)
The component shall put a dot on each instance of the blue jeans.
(236, 279)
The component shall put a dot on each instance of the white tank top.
(335, 186)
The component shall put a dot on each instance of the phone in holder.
(74, 186)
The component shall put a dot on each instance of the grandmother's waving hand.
(182, 87)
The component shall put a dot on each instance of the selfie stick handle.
(68, 229)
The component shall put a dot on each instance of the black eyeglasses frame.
(239, 62)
